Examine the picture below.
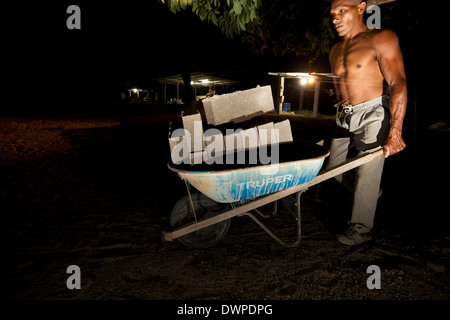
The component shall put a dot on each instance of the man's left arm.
(390, 59)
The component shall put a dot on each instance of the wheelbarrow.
(201, 219)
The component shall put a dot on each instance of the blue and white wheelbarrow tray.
(202, 219)
(233, 183)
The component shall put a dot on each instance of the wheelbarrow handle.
(345, 166)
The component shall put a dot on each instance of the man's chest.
(353, 58)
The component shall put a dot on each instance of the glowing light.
(311, 80)
(303, 81)
(204, 81)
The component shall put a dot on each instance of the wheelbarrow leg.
(188, 188)
(272, 214)
(297, 215)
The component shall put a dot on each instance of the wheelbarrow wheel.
(182, 214)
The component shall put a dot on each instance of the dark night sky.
(118, 41)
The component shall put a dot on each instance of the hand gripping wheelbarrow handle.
(325, 175)
(344, 167)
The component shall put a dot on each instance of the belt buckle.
(343, 107)
(343, 110)
(348, 109)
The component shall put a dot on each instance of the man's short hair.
(354, 2)
(357, 2)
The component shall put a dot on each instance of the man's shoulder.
(384, 35)
(385, 40)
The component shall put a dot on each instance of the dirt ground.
(94, 190)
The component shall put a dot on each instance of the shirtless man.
(362, 61)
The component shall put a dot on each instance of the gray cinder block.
(193, 124)
(211, 136)
(233, 141)
(250, 138)
(228, 107)
(179, 150)
(267, 134)
(196, 157)
(214, 144)
(284, 131)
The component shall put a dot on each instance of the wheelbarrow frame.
(252, 205)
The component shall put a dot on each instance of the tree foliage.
(276, 26)
(231, 16)
(292, 26)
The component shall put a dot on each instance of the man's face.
(345, 15)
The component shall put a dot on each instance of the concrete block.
(214, 144)
(174, 141)
(179, 150)
(267, 134)
(196, 157)
(284, 131)
(240, 104)
(233, 142)
(250, 138)
(212, 136)
(193, 124)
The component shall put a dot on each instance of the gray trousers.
(369, 123)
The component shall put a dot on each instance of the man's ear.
(362, 7)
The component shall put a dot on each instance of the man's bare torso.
(355, 63)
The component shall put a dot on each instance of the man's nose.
(335, 20)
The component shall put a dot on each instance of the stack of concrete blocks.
(262, 135)
(226, 108)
